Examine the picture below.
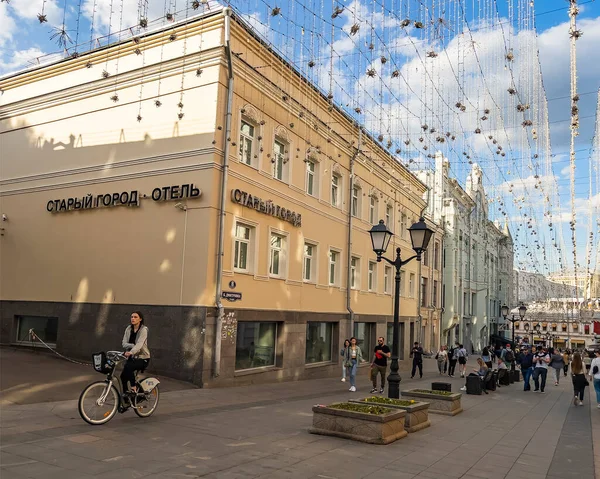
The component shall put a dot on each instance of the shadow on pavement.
(28, 377)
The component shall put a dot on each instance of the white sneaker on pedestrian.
(581, 403)
(343, 380)
(352, 389)
(464, 388)
(575, 400)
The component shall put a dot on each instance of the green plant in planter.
(376, 410)
(429, 391)
(384, 400)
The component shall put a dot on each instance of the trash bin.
(441, 387)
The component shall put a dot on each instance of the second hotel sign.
(267, 207)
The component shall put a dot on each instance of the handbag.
(437, 355)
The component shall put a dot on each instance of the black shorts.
(462, 360)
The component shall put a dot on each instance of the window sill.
(248, 372)
(318, 365)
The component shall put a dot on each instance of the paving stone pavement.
(261, 432)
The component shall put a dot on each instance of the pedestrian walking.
(527, 367)
(508, 356)
(595, 375)
(557, 363)
(487, 357)
(343, 355)
(567, 359)
(579, 380)
(417, 355)
(540, 368)
(379, 364)
(353, 358)
(452, 358)
(442, 360)
(462, 356)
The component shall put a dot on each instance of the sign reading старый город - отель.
(131, 198)
(267, 207)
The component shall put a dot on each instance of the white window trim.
(316, 177)
(340, 187)
(373, 287)
(358, 212)
(390, 224)
(286, 253)
(357, 286)
(315, 263)
(373, 210)
(253, 255)
(338, 276)
(391, 279)
(286, 170)
(254, 163)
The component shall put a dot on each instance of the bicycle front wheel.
(93, 409)
(145, 405)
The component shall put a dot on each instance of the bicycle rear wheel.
(92, 409)
(146, 405)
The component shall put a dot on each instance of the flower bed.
(440, 402)
(360, 422)
(417, 412)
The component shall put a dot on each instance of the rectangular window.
(44, 328)
(411, 286)
(365, 338)
(311, 170)
(473, 303)
(436, 256)
(277, 263)
(373, 203)
(246, 142)
(390, 338)
(424, 292)
(335, 190)
(309, 265)
(243, 238)
(465, 306)
(355, 201)
(255, 345)
(279, 161)
(402, 279)
(319, 337)
(425, 258)
(387, 280)
(372, 276)
(389, 217)
(403, 230)
(333, 267)
(354, 273)
(435, 293)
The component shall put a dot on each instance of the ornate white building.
(477, 257)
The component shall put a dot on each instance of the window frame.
(281, 158)
(389, 216)
(373, 209)
(355, 273)
(313, 260)
(372, 277)
(337, 264)
(283, 250)
(329, 324)
(356, 195)
(251, 242)
(252, 139)
(336, 200)
(387, 279)
(411, 285)
(275, 351)
(314, 175)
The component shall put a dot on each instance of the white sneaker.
(581, 403)
(343, 380)
(464, 388)
(575, 400)
(352, 389)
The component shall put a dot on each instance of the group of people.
(448, 357)
(352, 357)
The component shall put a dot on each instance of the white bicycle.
(100, 400)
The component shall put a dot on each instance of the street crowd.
(495, 366)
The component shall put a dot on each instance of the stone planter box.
(359, 426)
(417, 414)
(448, 405)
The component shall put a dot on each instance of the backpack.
(509, 356)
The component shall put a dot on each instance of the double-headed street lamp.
(420, 234)
(513, 320)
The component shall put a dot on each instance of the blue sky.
(397, 108)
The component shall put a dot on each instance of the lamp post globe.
(380, 238)
(522, 310)
(420, 234)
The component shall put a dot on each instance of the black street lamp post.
(420, 234)
(513, 320)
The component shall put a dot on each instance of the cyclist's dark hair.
(139, 313)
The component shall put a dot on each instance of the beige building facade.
(229, 203)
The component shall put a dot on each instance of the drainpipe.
(226, 147)
(349, 245)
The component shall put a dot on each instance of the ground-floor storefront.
(257, 346)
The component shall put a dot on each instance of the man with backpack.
(508, 357)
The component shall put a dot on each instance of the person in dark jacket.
(527, 367)
(417, 355)
(452, 359)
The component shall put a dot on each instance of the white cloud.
(29, 10)
(20, 59)
(7, 24)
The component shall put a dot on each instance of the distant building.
(477, 260)
(534, 287)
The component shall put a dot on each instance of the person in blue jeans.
(595, 375)
(353, 358)
(526, 361)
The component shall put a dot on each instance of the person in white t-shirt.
(595, 375)
(540, 365)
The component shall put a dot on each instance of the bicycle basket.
(101, 364)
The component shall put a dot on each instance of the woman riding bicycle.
(135, 343)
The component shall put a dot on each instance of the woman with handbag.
(579, 380)
(353, 358)
(343, 355)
